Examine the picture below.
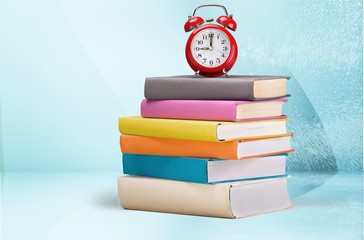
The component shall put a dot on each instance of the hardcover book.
(212, 131)
(217, 110)
(226, 200)
(238, 87)
(238, 149)
(203, 170)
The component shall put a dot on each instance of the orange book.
(238, 149)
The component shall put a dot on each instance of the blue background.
(69, 69)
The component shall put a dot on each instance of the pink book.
(215, 110)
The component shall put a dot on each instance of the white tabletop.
(84, 205)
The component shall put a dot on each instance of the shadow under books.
(108, 200)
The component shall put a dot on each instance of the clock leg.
(225, 73)
(196, 74)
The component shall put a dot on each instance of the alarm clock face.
(210, 47)
(211, 50)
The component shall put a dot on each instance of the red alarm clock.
(211, 50)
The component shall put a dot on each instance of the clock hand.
(217, 51)
(211, 35)
(205, 48)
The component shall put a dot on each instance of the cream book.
(225, 200)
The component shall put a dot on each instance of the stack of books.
(207, 146)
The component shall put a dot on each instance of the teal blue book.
(204, 170)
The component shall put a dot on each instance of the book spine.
(189, 109)
(159, 195)
(169, 128)
(178, 147)
(166, 167)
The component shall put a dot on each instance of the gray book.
(235, 87)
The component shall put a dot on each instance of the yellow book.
(211, 131)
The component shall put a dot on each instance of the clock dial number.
(211, 47)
